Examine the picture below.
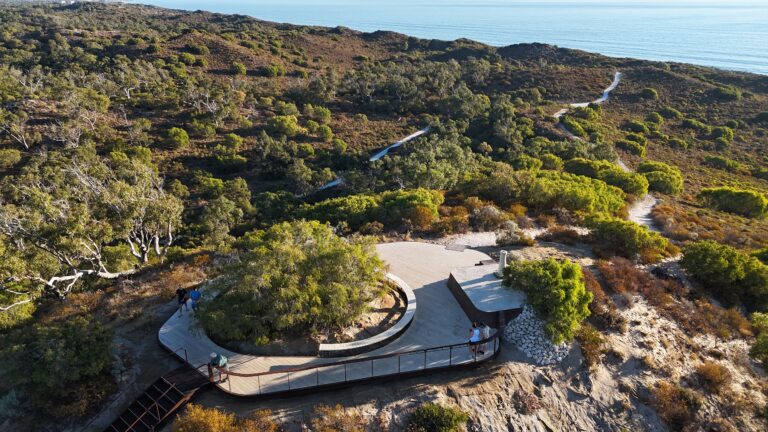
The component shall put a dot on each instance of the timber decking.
(439, 321)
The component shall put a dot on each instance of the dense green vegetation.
(729, 199)
(613, 236)
(142, 147)
(292, 279)
(555, 290)
(662, 177)
(729, 274)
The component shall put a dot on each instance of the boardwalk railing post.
(258, 381)
(317, 377)
(398, 364)
(425, 359)
(450, 355)
(345, 372)
(289, 380)
(371, 368)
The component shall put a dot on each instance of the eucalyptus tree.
(66, 206)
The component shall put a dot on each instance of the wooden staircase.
(160, 401)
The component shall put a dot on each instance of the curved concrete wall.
(383, 338)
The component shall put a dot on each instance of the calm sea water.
(729, 34)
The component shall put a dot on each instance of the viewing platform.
(434, 338)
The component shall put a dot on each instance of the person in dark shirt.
(182, 296)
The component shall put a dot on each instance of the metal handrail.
(493, 338)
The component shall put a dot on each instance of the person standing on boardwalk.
(194, 296)
(485, 333)
(182, 296)
(474, 338)
(218, 362)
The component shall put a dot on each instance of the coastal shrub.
(670, 113)
(555, 290)
(697, 126)
(197, 48)
(65, 365)
(613, 236)
(729, 274)
(649, 93)
(612, 174)
(666, 183)
(293, 279)
(631, 147)
(678, 143)
(637, 138)
(525, 402)
(714, 376)
(728, 93)
(662, 177)
(723, 163)
(759, 348)
(655, 118)
(336, 418)
(636, 126)
(592, 344)
(571, 192)
(237, 68)
(761, 254)
(672, 300)
(392, 208)
(9, 158)
(197, 418)
(676, 405)
(433, 417)
(573, 126)
(273, 70)
(721, 132)
(177, 138)
(743, 202)
(287, 125)
(544, 190)
(551, 162)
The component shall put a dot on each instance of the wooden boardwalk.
(439, 321)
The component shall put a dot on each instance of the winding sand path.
(640, 210)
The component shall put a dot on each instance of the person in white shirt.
(474, 338)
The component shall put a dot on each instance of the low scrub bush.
(676, 405)
(336, 418)
(678, 143)
(613, 236)
(525, 402)
(573, 126)
(592, 344)
(714, 376)
(555, 290)
(9, 158)
(743, 202)
(662, 177)
(631, 183)
(636, 126)
(631, 147)
(729, 274)
(673, 300)
(432, 417)
(725, 164)
(649, 93)
(726, 94)
(697, 126)
(670, 113)
(603, 309)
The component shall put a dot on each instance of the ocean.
(728, 34)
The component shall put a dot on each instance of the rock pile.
(527, 333)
